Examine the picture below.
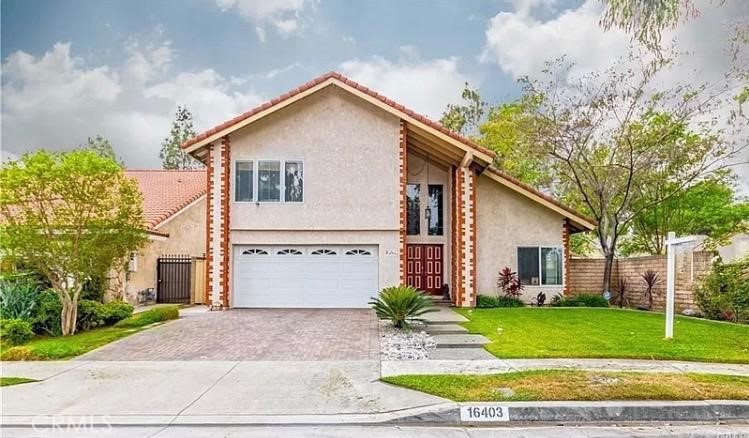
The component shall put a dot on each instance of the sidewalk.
(496, 366)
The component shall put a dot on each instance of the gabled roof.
(196, 145)
(166, 192)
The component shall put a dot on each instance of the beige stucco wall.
(507, 220)
(187, 233)
(387, 242)
(350, 154)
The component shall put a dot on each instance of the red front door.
(424, 267)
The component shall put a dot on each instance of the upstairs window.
(269, 181)
(244, 181)
(294, 181)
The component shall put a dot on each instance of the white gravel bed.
(405, 344)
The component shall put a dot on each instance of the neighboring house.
(331, 192)
(174, 207)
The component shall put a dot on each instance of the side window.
(243, 181)
(293, 181)
(434, 210)
(413, 209)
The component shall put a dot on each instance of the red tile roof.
(335, 75)
(165, 192)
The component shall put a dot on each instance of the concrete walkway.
(209, 388)
(496, 366)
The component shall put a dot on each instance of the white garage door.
(304, 276)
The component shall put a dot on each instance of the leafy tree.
(646, 19)
(172, 156)
(69, 216)
(709, 207)
(101, 146)
(612, 136)
(464, 119)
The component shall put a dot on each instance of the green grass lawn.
(605, 333)
(10, 381)
(65, 347)
(578, 385)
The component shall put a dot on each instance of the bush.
(94, 287)
(486, 301)
(402, 305)
(582, 300)
(90, 315)
(158, 314)
(15, 331)
(47, 314)
(18, 297)
(116, 311)
(724, 292)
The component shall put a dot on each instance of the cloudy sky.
(77, 68)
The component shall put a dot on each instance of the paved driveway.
(254, 335)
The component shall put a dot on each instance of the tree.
(646, 19)
(172, 156)
(709, 207)
(612, 136)
(464, 119)
(101, 146)
(69, 216)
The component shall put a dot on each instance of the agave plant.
(18, 298)
(402, 305)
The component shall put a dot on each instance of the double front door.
(424, 267)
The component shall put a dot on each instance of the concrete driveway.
(253, 335)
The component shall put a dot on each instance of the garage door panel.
(305, 276)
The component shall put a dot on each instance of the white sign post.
(671, 242)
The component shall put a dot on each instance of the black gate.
(173, 279)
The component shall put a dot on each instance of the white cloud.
(56, 100)
(284, 16)
(426, 86)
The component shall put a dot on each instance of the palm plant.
(651, 280)
(621, 291)
(402, 305)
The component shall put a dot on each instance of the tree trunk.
(69, 316)
(607, 270)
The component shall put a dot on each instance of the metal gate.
(173, 273)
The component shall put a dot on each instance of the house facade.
(174, 207)
(331, 192)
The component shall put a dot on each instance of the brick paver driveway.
(253, 334)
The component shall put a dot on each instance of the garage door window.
(358, 252)
(289, 252)
(321, 252)
(254, 251)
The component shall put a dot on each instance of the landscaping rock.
(692, 312)
(405, 344)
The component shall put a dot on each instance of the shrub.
(402, 305)
(94, 287)
(651, 280)
(486, 301)
(157, 314)
(15, 331)
(724, 292)
(582, 300)
(116, 311)
(47, 314)
(19, 353)
(90, 314)
(509, 283)
(18, 297)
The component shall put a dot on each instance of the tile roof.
(165, 192)
(335, 75)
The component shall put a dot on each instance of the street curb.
(444, 414)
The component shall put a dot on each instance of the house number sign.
(484, 413)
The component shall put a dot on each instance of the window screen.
(269, 181)
(528, 265)
(243, 181)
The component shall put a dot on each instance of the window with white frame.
(540, 265)
(269, 181)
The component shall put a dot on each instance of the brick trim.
(403, 169)
(460, 237)
(473, 249)
(209, 227)
(225, 191)
(566, 256)
(453, 235)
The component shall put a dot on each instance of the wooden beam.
(427, 156)
(433, 153)
(455, 155)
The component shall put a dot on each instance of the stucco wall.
(187, 232)
(507, 220)
(350, 154)
(387, 241)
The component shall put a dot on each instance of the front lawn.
(605, 333)
(65, 347)
(578, 386)
(10, 381)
